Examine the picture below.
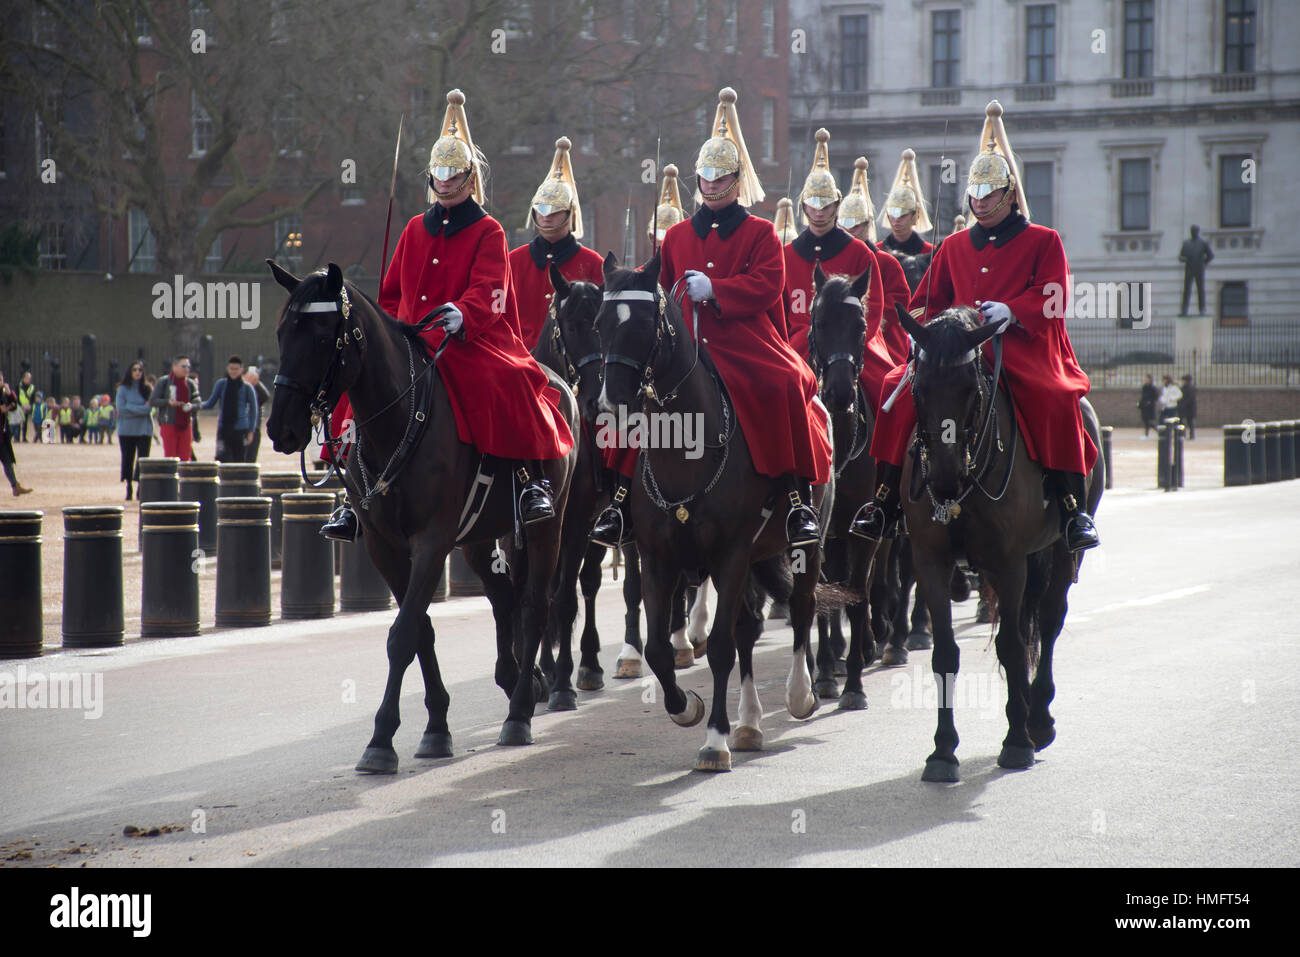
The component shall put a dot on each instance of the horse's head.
(949, 392)
(632, 324)
(576, 307)
(318, 334)
(837, 336)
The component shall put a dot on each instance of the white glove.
(997, 313)
(698, 285)
(452, 319)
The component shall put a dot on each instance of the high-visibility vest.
(65, 416)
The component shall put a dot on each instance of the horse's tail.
(775, 577)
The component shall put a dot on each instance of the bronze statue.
(1195, 255)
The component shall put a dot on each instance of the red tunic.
(1037, 359)
(502, 399)
(532, 282)
(743, 326)
(849, 257)
(896, 291)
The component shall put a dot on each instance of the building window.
(54, 248)
(288, 124)
(730, 28)
(703, 119)
(1040, 43)
(1139, 38)
(518, 21)
(588, 31)
(352, 196)
(1038, 191)
(200, 126)
(1234, 304)
(1135, 194)
(1239, 37)
(853, 53)
(769, 28)
(948, 198)
(288, 241)
(44, 28)
(946, 29)
(212, 261)
(700, 28)
(769, 129)
(1234, 195)
(201, 19)
(628, 121)
(143, 29)
(143, 252)
(629, 21)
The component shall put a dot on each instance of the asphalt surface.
(1175, 713)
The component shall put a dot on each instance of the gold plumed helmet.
(724, 152)
(669, 211)
(994, 167)
(857, 207)
(906, 196)
(559, 190)
(454, 151)
(819, 189)
(786, 230)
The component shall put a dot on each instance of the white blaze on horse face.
(604, 398)
(751, 711)
(624, 312)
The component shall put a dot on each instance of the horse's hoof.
(841, 668)
(683, 658)
(893, 656)
(712, 759)
(1016, 757)
(563, 701)
(692, 714)
(803, 710)
(919, 641)
(700, 649)
(1042, 736)
(940, 771)
(378, 761)
(745, 738)
(827, 688)
(434, 745)
(590, 679)
(541, 686)
(515, 733)
(627, 668)
(852, 701)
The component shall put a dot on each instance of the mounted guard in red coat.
(906, 216)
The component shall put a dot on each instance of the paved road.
(1175, 711)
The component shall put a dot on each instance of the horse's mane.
(946, 334)
(836, 288)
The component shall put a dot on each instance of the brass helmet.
(819, 189)
(906, 196)
(669, 210)
(857, 207)
(785, 227)
(454, 151)
(994, 167)
(724, 152)
(558, 191)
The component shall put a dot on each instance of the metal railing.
(1250, 356)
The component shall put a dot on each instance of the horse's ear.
(861, 284)
(285, 278)
(977, 337)
(558, 283)
(819, 277)
(611, 263)
(651, 267)
(914, 328)
(333, 280)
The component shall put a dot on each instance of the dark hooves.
(826, 689)
(713, 759)
(852, 701)
(378, 761)
(515, 734)
(893, 656)
(919, 641)
(940, 771)
(563, 701)
(434, 745)
(1016, 757)
(1042, 736)
(590, 679)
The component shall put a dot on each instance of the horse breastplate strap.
(421, 396)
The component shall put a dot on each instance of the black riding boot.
(876, 519)
(613, 525)
(343, 525)
(1076, 524)
(801, 521)
(534, 496)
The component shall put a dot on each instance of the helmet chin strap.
(735, 184)
(468, 184)
(1007, 196)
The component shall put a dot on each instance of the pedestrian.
(92, 420)
(1187, 406)
(1170, 396)
(237, 414)
(39, 413)
(175, 397)
(1147, 406)
(135, 427)
(254, 378)
(66, 433)
(108, 417)
(78, 420)
(8, 403)
(26, 403)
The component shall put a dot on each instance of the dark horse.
(698, 516)
(333, 339)
(1009, 529)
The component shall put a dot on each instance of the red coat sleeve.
(390, 290)
(489, 297)
(758, 289)
(1049, 266)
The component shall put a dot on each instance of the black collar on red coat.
(451, 221)
(543, 251)
(821, 248)
(914, 246)
(999, 235)
(728, 220)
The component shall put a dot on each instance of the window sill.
(1234, 238)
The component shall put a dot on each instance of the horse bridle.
(858, 441)
(573, 373)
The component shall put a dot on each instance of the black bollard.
(173, 561)
(307, 582)
(22, 627)
(243, 561)
(361, 587)
(463, 579)
(159, 482)
(1258, 462)
(1236, 455)
(240, 480)
(1180, 433)
(275, 484)
(1288, 449)
(1272, 451)
(93, 615)
(199, 483)
(1165, 455)
(1106, 434)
